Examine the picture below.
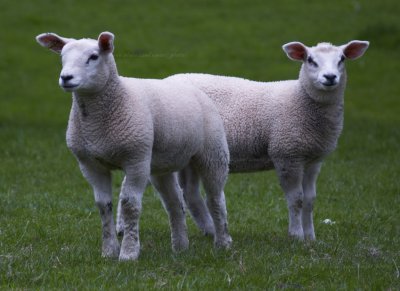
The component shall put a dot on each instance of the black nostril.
(66, 78)
(330, 77)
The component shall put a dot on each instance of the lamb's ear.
(295, 51)
(106, 40)
(354, 49)
(52, 41)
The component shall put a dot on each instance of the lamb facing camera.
(149, 129)
(289, 126)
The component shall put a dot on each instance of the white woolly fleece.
(287, 125)
(147, 128)
(273, 119)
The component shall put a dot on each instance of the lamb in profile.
(289, 126)
(147, 128)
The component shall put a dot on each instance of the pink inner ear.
(105, 42)
(296, 51)
(53, 42)
(354, 50)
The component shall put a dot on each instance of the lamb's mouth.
(69, 87)
(329, 85)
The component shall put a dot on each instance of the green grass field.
(50, 231)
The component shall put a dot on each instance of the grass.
(50, 234)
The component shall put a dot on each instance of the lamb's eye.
(92, 57)
(341, 60)
(311, 61)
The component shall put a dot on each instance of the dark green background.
(49, 226)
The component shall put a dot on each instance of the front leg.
(100, 180)
(290, 176)
(309, 188)
(132, 190)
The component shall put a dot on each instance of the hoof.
(179, 246)
(310, 237)
(111, 251)
(296, 236)
(129, 250)
(208, 230)
(224, 243)
(125, 257)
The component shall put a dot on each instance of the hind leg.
(171, 194)
(213, 177)
(212, 165)
(189, 181)
(217, 206)
(290, 174)
(120, 218)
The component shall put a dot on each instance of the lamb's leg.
(189, 181)
(309, 188)
(100, 179)
(213, 177)
(171, 194)
(132, 190)
(120, 218)
(290, 176)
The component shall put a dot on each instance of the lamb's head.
(323, 64)
(87, 63)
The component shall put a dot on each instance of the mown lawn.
(50, 233)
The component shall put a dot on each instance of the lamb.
(289, 126)
(149, 129)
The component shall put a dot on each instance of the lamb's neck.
(325, 116)
(101, 103)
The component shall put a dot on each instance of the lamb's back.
(249, 110)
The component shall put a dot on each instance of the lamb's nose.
(66, 78)
(330, 77)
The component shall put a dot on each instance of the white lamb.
(147, 128)
(288, 125)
